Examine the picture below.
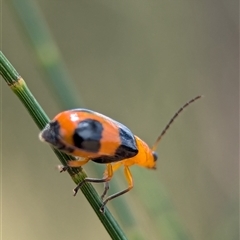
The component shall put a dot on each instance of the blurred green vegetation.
(137, 62)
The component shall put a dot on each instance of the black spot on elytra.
(128, 143)
(126, 149)
(87, 135)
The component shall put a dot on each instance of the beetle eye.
(155, 156)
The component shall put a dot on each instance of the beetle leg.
(115, 166)
(78, 163)
(129, 178)
(106, 188)
(96, 180)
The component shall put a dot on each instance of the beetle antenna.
(172, 120)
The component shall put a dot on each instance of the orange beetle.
(94, 136)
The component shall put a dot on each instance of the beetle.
(93, 136)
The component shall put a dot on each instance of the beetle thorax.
(144, 157)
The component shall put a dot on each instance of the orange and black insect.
(93, 136)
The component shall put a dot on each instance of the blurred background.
(137, 62)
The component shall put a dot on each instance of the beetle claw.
(102, 209)
(62, 168)
(75, 191)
